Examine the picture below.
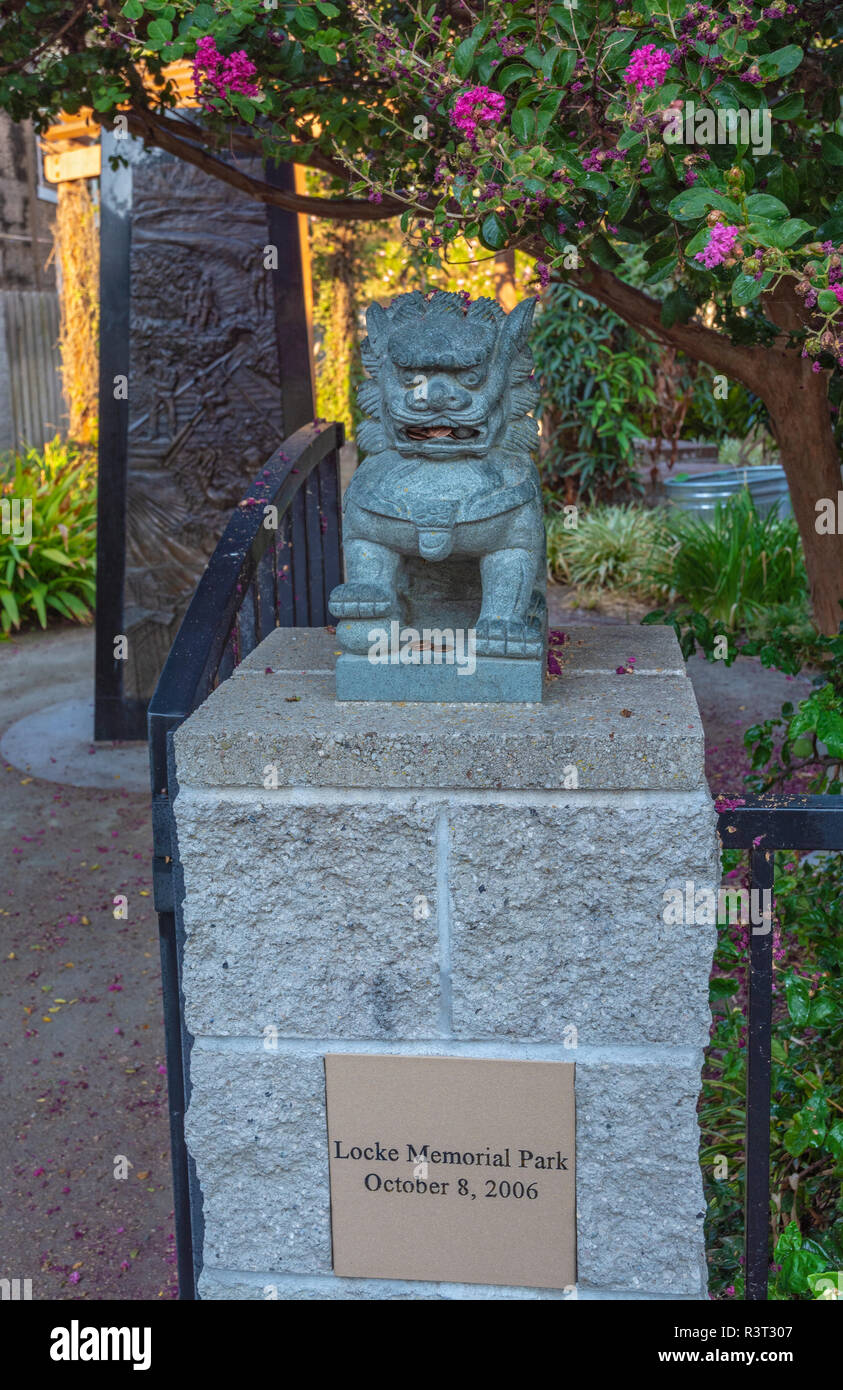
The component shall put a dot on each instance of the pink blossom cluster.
(223, 75)
(475, 107)
(719, 245)
(648, 66)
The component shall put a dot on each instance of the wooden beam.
(82, 125)
(85, 162)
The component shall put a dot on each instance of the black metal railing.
(762, 825)
(275, 565)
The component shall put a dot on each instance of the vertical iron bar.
(758, 1073)
(298, 561)
(318, 613)
(284, 603)
(330, 508)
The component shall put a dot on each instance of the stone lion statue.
(443, 519)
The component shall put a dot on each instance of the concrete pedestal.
(447, 880)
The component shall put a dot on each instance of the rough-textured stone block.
(640, 1206)
(621, 732)
(556, 920)
(256, 1127)
(317, 920)
(428, 880)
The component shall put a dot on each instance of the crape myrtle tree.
(707, 135)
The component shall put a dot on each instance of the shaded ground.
(81, 1031)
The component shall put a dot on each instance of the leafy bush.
(738, 568)
(806, 1126)
(55, 568)
(596, 378)
(609, 548)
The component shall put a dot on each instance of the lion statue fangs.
(443, 523)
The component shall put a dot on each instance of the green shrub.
(609, 548)
(54, 570)
(596, 379)
(806, 1120)
(738, 569)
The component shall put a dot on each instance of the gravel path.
(82, 1053)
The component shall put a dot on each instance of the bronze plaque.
(453, 1169)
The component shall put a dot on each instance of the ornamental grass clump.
(736, 567)
(610, 548)
(48, 541)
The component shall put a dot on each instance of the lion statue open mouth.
(442, 521)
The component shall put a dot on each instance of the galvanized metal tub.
(701, 494)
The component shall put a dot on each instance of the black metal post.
(758, 1071)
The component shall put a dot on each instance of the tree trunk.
(798, 404)
(797, 399)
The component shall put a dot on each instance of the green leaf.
(745, 287)
(721, 987)
(464, 56)
(693, 202)
(789, 1241)
(789, 109)
(37, 599)
(58, 556)
(512, 73)
(547, 111)
(807, 1128)
(798, 1268)
(834, 1140)
(661, 270)
(798, 995)
(160, 29)
(781, 62)
(827, 302)
(564, 67)
(784, 234)
(830, 731)
(10, 604)
(133, 9)
(305, 18)
(677, 307)
(827, 1284)
(823, 1011)
(524, 124)
(832, 148)
(763, 205)
(493, 233)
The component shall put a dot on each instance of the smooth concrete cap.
(617, 731)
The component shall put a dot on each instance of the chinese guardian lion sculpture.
(442, 522)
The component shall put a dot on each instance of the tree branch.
(746, 364)
(158, 131)
(249, 144)
(53, 38)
